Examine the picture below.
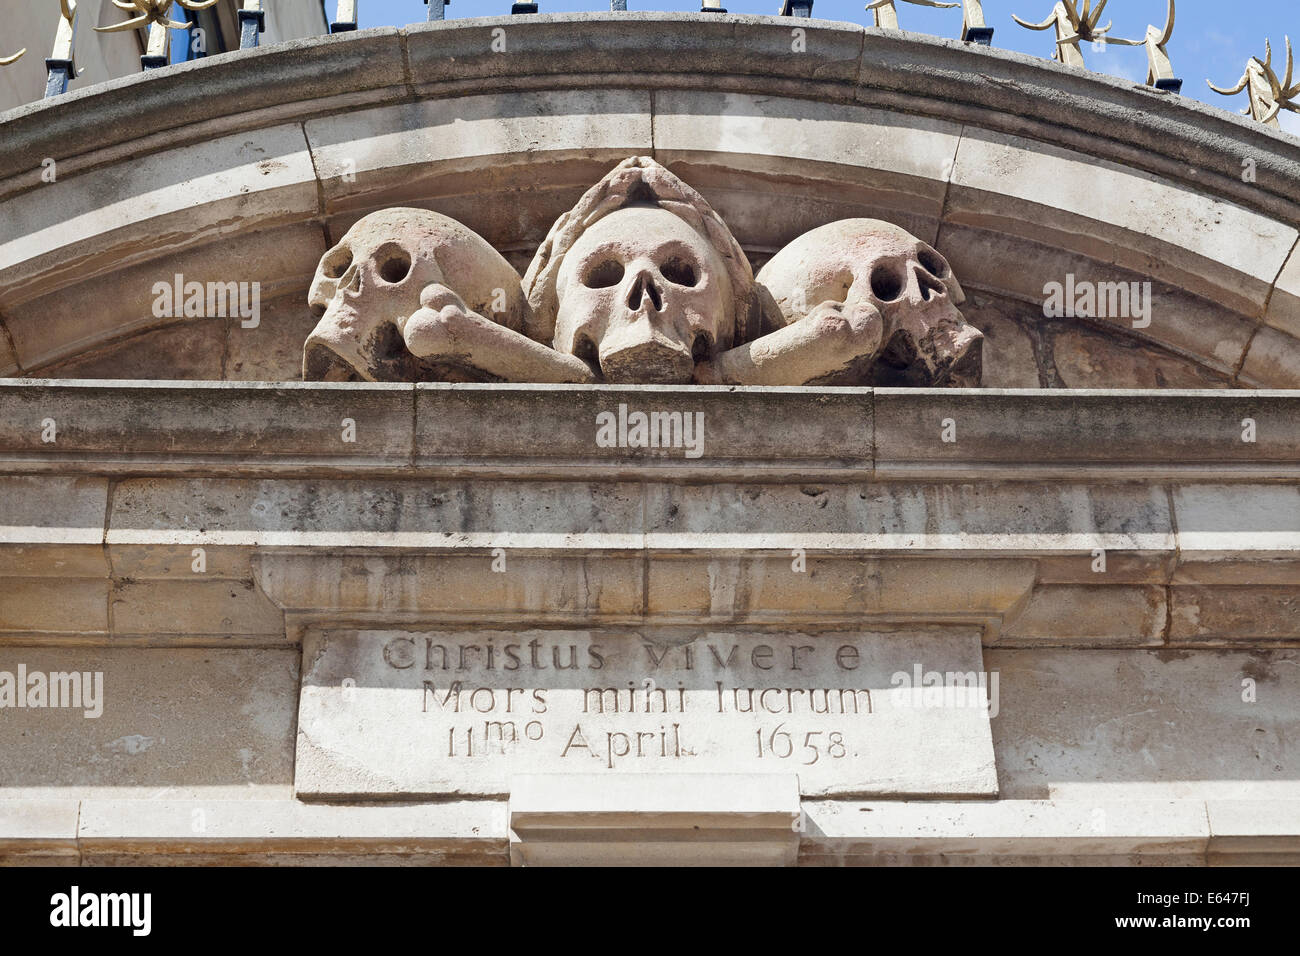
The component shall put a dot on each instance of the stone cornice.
(100, 528)
(535, 432)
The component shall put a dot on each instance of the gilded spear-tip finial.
(60, 65)
(884, 14)
(1268, 95)
(973, 27)
(1074, 27)
(1160, 71)
(155, 15)
(149, 12)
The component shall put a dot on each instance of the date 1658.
(781, 744)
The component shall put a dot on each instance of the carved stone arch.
(1020, 172)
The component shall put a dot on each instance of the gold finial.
(1073, 27)
(886, 16)
(1268, 95)
(973, 27)
(150, 12)
(1160, 71)
(66, 33)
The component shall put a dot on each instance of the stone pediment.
(1021, 196)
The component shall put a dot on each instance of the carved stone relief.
(642, 283)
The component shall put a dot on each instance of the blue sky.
(1213, 38)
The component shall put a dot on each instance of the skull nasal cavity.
(932, 262)
(644, 287)
(930, 286)
(887, 283)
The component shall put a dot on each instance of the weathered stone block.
(241, 831)
(193, 609)
(1139, 431)
(1087, 359)
(978, 833)
(254, 178)
(758, 588)
(52, 526)
(1234, 614)
(360, 155)
(54, 330)
(1254, 832)
(1090, 615)
(215, 723)
(444, 52)
(1237, 533)
(1115, 725)
(1008, 356)
(1016, 265)
(905, 165)
(1176, 233)
(362, 67)
(654, 819)
(1284, 305)
(70, 607)
(531, 587)
(208, 422)
(38, 832)
(1271, 361)
(805, 430)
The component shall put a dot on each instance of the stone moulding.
(935, 76)
(299, 526)
(110, 831)
(510, 430)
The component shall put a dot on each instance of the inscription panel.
(406, 714)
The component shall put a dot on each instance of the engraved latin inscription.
(444, 712)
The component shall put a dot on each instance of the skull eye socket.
(338, 264)
(604, 275)
(679, 272)
(392, 263)
(887, 283)
(932, 262)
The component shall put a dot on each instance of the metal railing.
(1268, 95)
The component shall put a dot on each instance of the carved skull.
(861, 264)
(643, 296)
(368, 285)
